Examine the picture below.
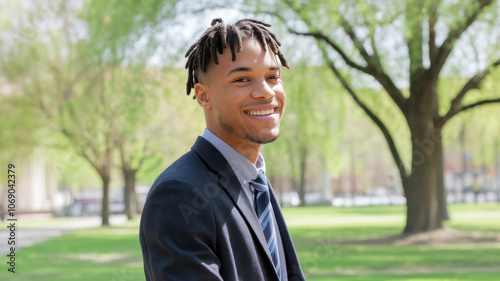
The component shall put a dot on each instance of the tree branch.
(453, 36)
(373, 65)
(415, 40)
(76, 139)
(357, 43)
(433, 17)
(145, 155)
(483, 102)
(373, 117)
(473, 83)
(79, 150)
(373, 45)
(322, 37)
(374, 71)
(124, 163)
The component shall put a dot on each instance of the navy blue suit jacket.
(199, 224)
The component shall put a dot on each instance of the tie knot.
(260, 183)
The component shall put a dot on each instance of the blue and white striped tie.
(263, 211)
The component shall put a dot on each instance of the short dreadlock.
(216, 38)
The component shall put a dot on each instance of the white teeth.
(261, 112)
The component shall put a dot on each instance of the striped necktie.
(263, 211)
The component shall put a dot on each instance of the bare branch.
(392, 90)
(414, 41)
(322, 37)
(463, 108)
(121, 149)
(374, 71)
(373, 45)
(355, 40)
(473, 83)
(373, 117)
(483, 102)
(145, 155)
(373, 65)
(454, 34)
(433, 17)
(94, 162)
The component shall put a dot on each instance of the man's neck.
(249, 149)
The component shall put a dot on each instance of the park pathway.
(30, 232)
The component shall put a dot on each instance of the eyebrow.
(244, 69)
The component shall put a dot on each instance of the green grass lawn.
(113, 253)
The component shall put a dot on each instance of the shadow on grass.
(367, 251)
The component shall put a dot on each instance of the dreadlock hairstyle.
(217, 37)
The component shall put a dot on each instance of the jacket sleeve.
(177, 234)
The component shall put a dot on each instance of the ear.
(202, 93)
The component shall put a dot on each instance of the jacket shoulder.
(188, 168)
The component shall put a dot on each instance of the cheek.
(280, 91)
(226, 106)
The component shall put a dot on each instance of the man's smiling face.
(244, 100)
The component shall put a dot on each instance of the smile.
(260, 112)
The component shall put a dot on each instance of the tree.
(150, 124)
(138, 133)
(116, 28)
(60, 87)
(352, 37)
(88, 95)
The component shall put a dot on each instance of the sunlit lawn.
(113, 253)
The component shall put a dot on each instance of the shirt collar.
(243, 168)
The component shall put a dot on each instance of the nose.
(263, 90)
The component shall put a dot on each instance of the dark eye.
(242, 80)
(274, 77)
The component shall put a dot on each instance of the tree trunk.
(424, 188)
(441, 190)
(354, 185)
(105, 173)
(130, 198)
(464, 163)
(497, 157)
(105, 177)
(302, 183)
(278, 188)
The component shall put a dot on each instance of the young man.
(212, 215)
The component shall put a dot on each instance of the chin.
(264, 137)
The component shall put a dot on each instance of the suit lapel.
(232, 186)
